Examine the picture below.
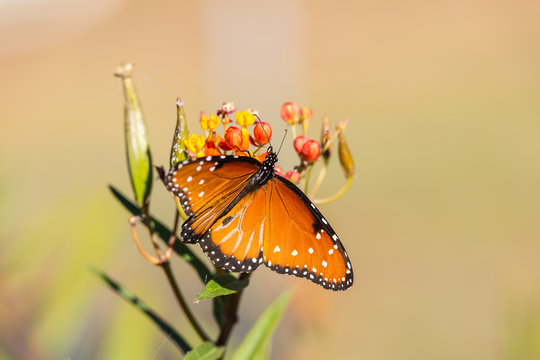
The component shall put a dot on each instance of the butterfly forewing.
(205, 187)
(301, 242)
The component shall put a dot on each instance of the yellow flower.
(209, 122)
(245, 118)
(195, 144)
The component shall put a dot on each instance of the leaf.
(167, 329)
(164, 234)
(256, 341)
(222, 284)
(206, 351)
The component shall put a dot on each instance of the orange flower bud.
(310, 151)
(234, 138)
(262, 133)
(210, 151)
(299, 143)
(290, 112)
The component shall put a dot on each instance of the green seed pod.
(137, 145)
(178, 148)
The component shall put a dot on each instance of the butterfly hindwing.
(301, 242)
(235, 240)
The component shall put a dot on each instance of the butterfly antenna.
(264, 131)
(282, 140)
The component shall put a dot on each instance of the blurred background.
(441, 224)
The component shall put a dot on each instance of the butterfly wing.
(275, 223)
(235, 241)
(206, 187)
(300, 240)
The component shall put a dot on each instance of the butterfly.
(243, 214)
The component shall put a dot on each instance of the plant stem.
(151, 259)
(336, 195)
(148, 222)
(308, 176)
(172, 238)
(320, 177)
(166, 266)
(231, 316)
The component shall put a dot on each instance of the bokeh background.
(442, 222)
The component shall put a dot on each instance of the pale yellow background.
(442, 222)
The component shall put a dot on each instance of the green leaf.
(178, 148)
(222, 284)
(206, 351)
(167, 329)
(164, 234)
(257, 339)
(136, 137)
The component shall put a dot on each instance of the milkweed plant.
(226, 132)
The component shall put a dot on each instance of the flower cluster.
(235, 140)
(246, 135)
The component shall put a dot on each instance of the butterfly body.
(243, 214)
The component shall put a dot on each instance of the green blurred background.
(442, 222)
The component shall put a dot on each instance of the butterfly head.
(271, 159)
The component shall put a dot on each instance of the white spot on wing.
(189, 179)
(324, 263)
(294, 253)
(201, 194)
(201, 182)
(310, 250)
(276, 249)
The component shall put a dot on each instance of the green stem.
(320, 177)
(308, 176)
(293, 130)
(336, 195)
(166, 266)
(170, 276)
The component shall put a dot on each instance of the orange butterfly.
(243, 214)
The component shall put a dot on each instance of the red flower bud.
(310, 151)
(290, 112)
(299, 143)
(262, 136)
(233, 137)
